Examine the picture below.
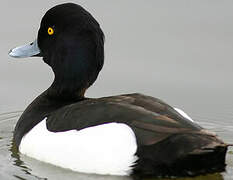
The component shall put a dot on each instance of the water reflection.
(216, 176)
(42, 170)
(7, 116)
(17, 166)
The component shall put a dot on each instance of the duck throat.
(72, 80)
(66, 90)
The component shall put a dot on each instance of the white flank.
(183, 114)
(103, 149)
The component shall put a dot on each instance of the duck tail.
(188, 154)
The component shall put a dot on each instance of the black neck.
(65, 92)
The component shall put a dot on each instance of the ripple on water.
(16, 166)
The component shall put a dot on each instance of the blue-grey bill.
(24, 51)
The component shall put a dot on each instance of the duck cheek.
(48, 57)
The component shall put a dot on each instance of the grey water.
(179, 51)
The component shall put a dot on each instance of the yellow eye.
(50, 31)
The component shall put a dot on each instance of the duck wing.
(151, 119)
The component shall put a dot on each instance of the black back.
(151, 119)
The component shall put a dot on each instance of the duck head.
(71, 42)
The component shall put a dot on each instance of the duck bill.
(24, 51)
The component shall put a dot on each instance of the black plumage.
(168, 143)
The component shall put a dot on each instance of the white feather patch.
(183, 114)
(103, 149)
